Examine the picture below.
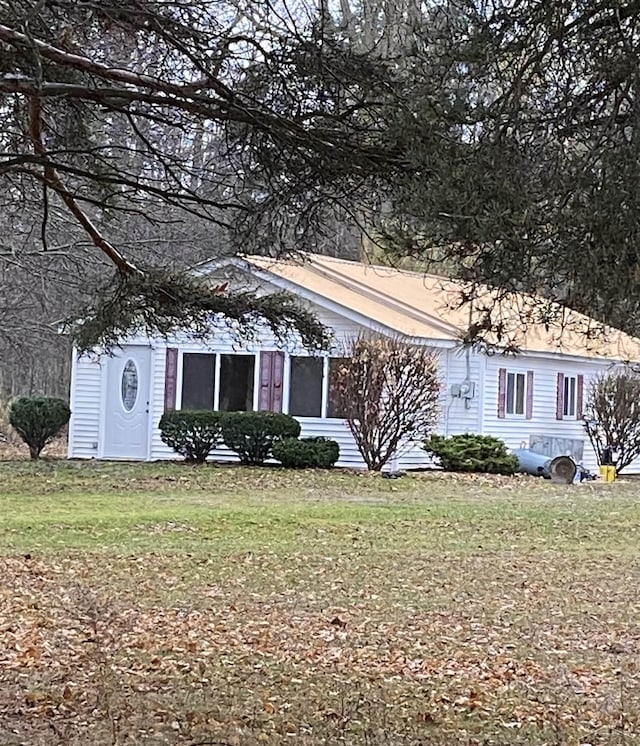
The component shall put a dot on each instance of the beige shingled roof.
(427, 306)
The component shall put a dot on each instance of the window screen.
(305, 387)
(198, 372)
(236, 383)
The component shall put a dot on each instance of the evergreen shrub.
(37, 420)
(472, 453)
(191, 433)
(252, 435)
(304, 453)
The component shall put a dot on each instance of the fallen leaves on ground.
(354, 648)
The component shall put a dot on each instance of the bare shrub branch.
(388, 392)
(612, 416)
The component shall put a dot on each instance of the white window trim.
(515, 372)
(216, 383)
(286, 382)
(256, 379)
(324, 407)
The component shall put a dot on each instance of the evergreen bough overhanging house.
(533, 399)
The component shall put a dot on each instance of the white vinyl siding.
(518, 432)
(84, 425)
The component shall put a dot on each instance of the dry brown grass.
(244, 606)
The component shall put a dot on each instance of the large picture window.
(227, 383)
(236, 383)
(305, 386)
(198, 380)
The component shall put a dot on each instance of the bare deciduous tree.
(388, 392)
(496, 140)
(612, 416)
(171, 111)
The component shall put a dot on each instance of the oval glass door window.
(129, 385)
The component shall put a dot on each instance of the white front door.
(126, 410)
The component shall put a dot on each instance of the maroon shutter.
(271, 375)
(560, 397)
(277, 379)
(264, 397)
(502, 393)
(579, 397)
(529, 409)
(170, 378)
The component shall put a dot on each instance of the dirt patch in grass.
(13, 449)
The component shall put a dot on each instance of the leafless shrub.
(387, 391)
(612, 416)
(8, 436)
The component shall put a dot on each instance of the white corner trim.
(72, 402)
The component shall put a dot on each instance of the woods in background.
(496, 142)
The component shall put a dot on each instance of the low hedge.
(252, 435)
(472, 453)
(191, 433)
(294, 453)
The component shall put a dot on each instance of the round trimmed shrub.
(472, 453)
(191, 433)
(37, 420)
(327, 451)
(294, 453)
(252, 435)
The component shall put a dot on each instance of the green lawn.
(160, 603)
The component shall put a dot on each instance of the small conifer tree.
(37, 420)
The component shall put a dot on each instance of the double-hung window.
(516, 387)
(569, 395)
(569, 398)
(515, 393)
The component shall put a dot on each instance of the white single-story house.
(532, 400)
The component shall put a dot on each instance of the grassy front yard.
(158, 603)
